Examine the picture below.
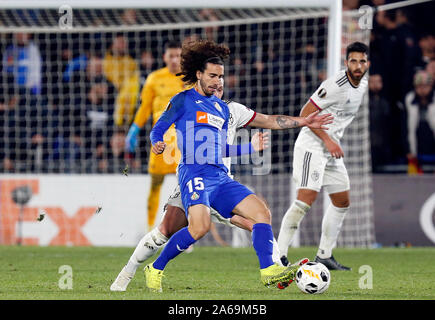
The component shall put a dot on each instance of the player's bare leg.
(331, 226)
(173, 220)
(255, 210)
(242, 223)
(307, 196)
(199, 221)
(292, 219)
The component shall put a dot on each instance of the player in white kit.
(318, 156)
(174, 217)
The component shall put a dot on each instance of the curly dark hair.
(357, 47)
(196, 54)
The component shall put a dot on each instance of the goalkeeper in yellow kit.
(160, 86)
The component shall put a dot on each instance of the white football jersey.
(240, 116)
(336, 95)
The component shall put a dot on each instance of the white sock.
(275, 254)
(331, 225)
(146, 248)
(290, 223)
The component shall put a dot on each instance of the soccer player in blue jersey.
(201, 121)
(174, 217)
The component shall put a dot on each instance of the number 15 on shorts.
(195, 184)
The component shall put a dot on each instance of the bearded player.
(174, 217)
(318, 156)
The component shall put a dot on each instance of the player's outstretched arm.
(332, 146)
(259, 141)
(280, 122)
(316, 121)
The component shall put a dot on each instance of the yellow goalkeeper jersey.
(160, 86)
(123, 72)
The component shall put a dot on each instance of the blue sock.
(179, 242)
(262, 240)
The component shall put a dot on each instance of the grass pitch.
(211, 273)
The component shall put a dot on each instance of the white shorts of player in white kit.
(175, 201)
(315, 169)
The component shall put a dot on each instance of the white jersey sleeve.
(341, 99)
(240, 115)
(329, 92)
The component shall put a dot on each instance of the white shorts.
(175, 200)
(314, 170)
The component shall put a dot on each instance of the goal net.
(60, 92)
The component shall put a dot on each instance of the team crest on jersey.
(218, 106)
(322, 93)
(315, 175)
(194, 196)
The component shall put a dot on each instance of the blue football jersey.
(201, 123)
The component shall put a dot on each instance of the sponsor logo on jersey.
(194, 196)
(201, 117)
(211, 119)
(198, 101)
(322, 93)
(344, 114)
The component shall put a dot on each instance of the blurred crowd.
(67, 100)
(401, 89)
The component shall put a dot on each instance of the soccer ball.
(313, 278)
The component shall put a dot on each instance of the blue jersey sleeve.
(229, 150)
(173, 112)
(237, 150)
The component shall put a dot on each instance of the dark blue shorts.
(211, 187)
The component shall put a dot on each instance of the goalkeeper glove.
(131, 139)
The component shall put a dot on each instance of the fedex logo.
(69, 228)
